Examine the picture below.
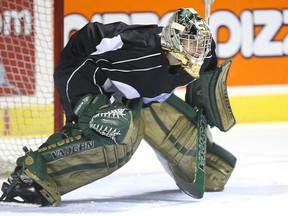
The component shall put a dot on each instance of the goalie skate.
(22, 189)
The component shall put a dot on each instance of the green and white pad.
(170, 128)
(78, 156)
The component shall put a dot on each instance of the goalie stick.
(197, 187)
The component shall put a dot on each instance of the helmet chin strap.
(192, 69)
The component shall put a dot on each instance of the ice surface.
(258, 186)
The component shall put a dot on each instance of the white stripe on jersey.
(70, 77)
(133, 70)
(136, 59)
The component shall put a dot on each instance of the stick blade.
(192, 189)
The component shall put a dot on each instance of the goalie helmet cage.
(31, 39)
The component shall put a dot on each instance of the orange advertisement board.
(253, 33)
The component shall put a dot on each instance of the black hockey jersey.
(116, 57)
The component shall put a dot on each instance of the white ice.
(258, 186)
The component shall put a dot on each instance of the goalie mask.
(187, 37)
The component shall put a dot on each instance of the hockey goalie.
(116, 83)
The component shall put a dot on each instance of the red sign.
(17, 48)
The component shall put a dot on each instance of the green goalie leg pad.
(69, 160)
(73, 162)
(172, 133)
(76, 160)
